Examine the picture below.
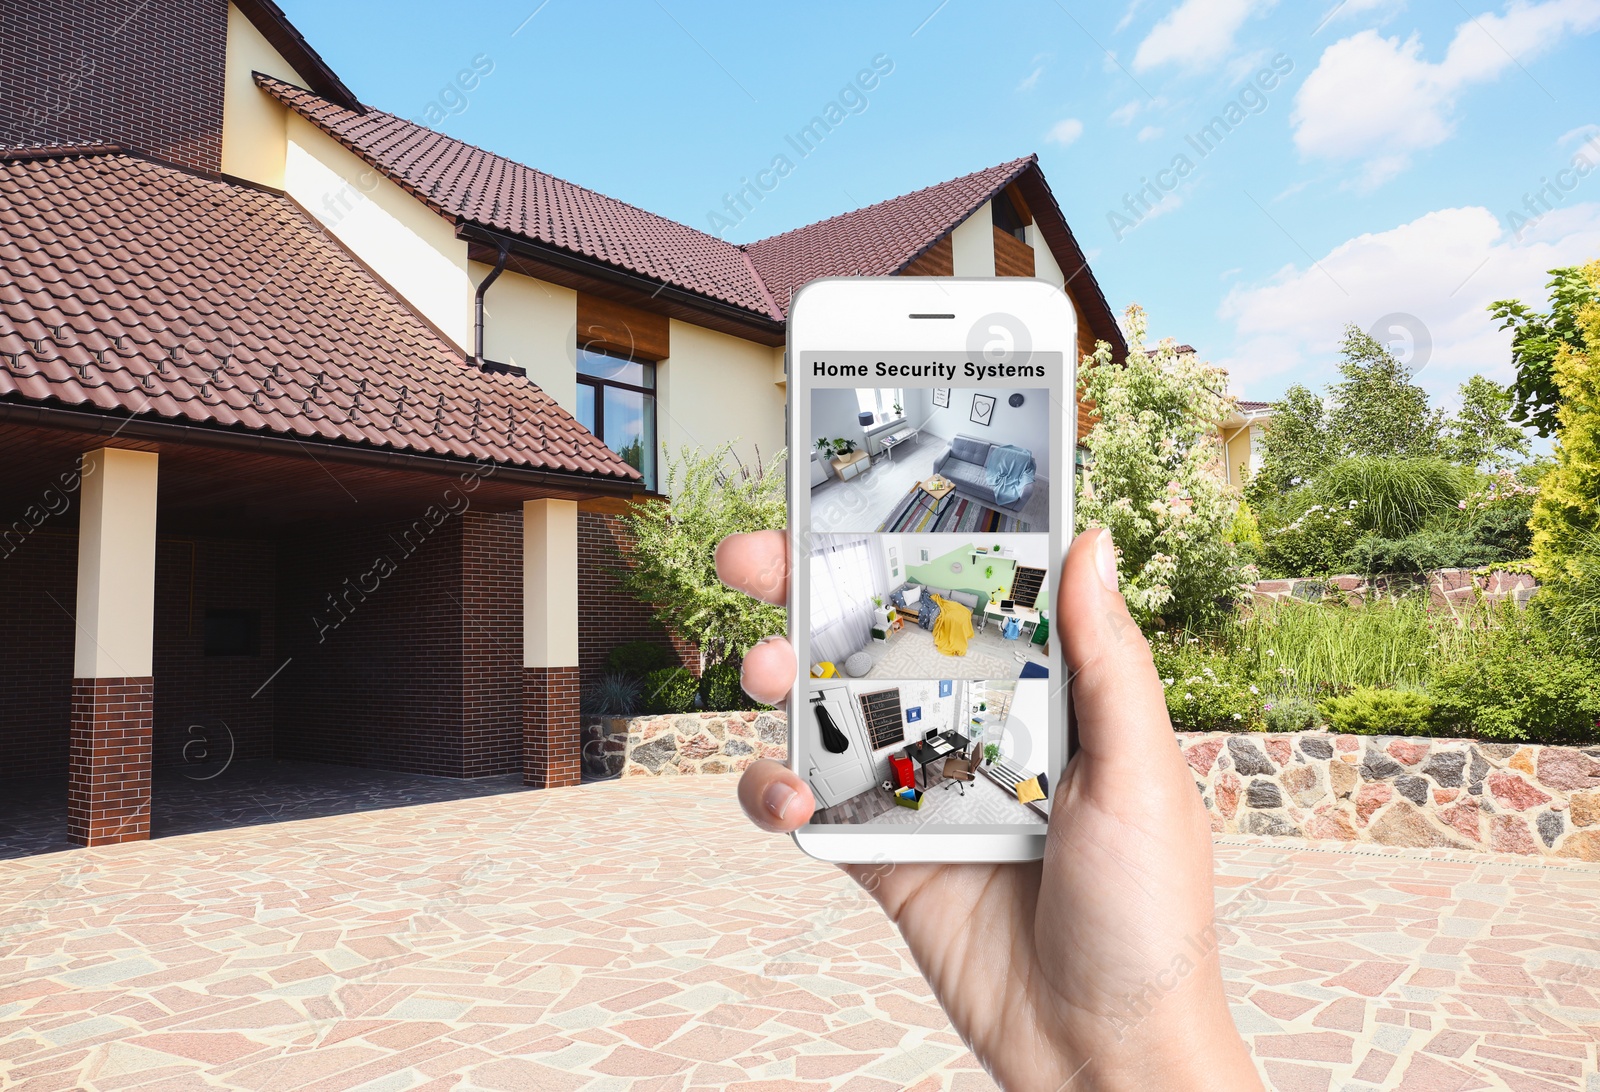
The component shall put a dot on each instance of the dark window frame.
(599, 385)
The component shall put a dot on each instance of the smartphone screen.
(930, 510)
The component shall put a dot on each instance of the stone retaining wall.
(703, 743)
(1401, 791)
(1448, 589)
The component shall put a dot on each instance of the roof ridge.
(373, 110)
(60, 150)
(1020, 164)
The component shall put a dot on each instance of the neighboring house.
(356, 404)
(1240, 437)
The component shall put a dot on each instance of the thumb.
(1116, 694)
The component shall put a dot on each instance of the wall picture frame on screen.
(941, 397)
(983, 409)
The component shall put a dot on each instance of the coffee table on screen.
(939, 498)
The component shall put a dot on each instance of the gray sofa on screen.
(963, 463)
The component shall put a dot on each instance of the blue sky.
(1382, 180)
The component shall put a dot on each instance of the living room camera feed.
(920, 606)
(935, 459)
(938, 752)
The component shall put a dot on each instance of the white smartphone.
(931, 426)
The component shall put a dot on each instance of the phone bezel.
(874, 314)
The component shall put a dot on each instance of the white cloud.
(1196, 34)
(1029, 81)
(1444, 268)
(1345, 9)
(1375, 100)
(1149, 132)
(1065, 131)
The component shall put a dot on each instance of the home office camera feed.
(953, 460)
(934, 752)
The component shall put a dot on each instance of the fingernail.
(1105, 560)
(778, 798)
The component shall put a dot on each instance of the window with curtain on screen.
(884, 403)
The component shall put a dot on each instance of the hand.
(1096, 968)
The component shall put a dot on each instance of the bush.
(1207, 690)
(670, 690)
(639, 658)
(1394, 497)
(612, 695)
(1535, 680)
(720, 688)
(1292, 715)
(1373, 712)
(1305, 538)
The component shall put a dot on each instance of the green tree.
(1376, 409)
(1566, 515)
(1156, 481)
(1296, 446)
(1537, 337)
(672, 565)
(1483, 433)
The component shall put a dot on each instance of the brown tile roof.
(1252, 407)
(879, 239)
(468, 184)
(459, 180)
(133, 287)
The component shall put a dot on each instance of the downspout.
(477, 302)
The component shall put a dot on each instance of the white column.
(116, 565)
(550, 583)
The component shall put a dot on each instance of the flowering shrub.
(1156, 482)
(1207, 690)
(1317, 542)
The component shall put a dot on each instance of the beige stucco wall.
(253, 130)
(534, 325)
(1237, 440)
(549, 583)
(407, 244)
(716, 387)
(116, 566)
(972, 244)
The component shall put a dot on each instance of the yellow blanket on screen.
(953, 629)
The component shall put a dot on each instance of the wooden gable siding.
(1012, 256)
(939, 260)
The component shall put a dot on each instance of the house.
(316, 423)
(1240, 437)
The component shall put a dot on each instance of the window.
(1006, 218)
(881, 402)
(617, 402)
(881, 712)
(841, 582)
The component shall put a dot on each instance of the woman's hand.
(1096, 968)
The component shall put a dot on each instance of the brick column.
(108, 795)
(551, 746)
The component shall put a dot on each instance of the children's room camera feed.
(936, 752)
(933, 459)
(910, 606)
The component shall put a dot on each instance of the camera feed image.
(915, 606)
(944, 751)
(932, 459)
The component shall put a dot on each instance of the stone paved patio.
(638, 934)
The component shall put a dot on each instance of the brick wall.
(371, 617)
(147, 75)
(108, 789)
(610, 616)
(210, 704)
(38, 590)
(550, 744)
(491, 642)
